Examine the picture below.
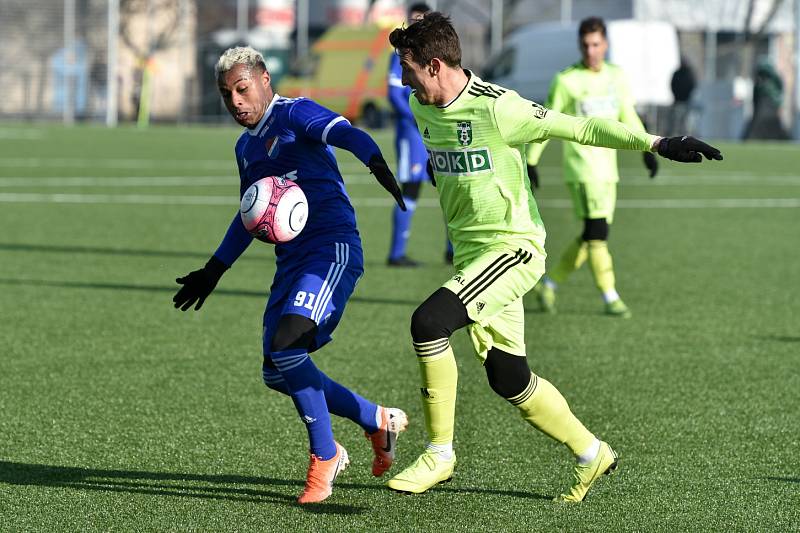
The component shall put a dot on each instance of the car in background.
(350, 65)
(647, 51)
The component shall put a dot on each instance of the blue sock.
(401, 228)
(341, 401)
(347, 404)
(304, 384)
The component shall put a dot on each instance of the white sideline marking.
(232, 179)
(156, 199)
(117, 199)
(115, 181)
(20, 134)
(85, 162)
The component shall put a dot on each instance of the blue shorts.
(317, 288)
(411, 156)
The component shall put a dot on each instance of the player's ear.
(434, 67)
(265, 79)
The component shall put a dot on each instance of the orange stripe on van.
(379, 43)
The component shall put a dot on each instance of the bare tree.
(159, 31)
(146, 27)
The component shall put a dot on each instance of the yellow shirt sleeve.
(557, 100)
(521, 121)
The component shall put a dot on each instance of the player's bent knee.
(293, 331)
(595, 229)
(508, 374)
(272, 376)
(438, 317)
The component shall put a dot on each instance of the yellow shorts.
(594, 199)
(491, 287)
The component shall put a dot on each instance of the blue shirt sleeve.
(397, 92)
(310, 119)
(235, 242)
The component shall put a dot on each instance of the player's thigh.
(318, 290)
(594, 199)
(491, 288)
(505, 331)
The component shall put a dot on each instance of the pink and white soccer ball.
(274, 210)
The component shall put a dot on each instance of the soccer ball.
(274, 210)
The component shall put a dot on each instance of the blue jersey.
(411, 152)
(291, 141)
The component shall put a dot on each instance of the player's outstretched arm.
(198, 284)
(343, 135)
(377, 165)
(687, 149)
(310, 119)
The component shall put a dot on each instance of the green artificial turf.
(120, 413)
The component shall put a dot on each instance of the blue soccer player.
(412, 157)
(316, 272)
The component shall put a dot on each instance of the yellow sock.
(602, 266)
(570, 261)
(439, 373)
(546, 409)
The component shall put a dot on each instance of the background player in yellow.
(475, 133)
(590, 88)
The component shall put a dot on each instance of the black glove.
(198, 285)
(687, 149)
(429, 168)
(381, 171)
(533, 175)
(651, 163)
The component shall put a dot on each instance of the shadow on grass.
(203, 486)
(779, 338)
(172, 289)
(97, 250)
(786, 479)
(475, 490)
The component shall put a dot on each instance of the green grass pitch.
(120, 413)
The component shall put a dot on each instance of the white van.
(647, 51)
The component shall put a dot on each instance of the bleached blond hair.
(240, 55)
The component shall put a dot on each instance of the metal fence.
(55, 54)
(53, 59)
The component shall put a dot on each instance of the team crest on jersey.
(271, 145)
(464, 132)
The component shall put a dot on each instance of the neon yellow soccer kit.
(475, 145)
(589, 171)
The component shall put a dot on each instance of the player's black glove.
(533, 175)
(687, 149)
(651, 163)
(384, 175)
(429, 169)
(198, 285)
